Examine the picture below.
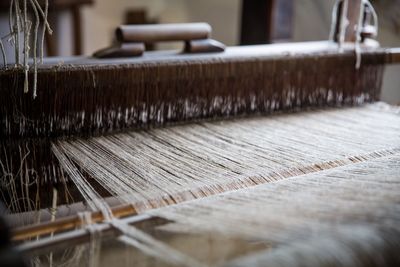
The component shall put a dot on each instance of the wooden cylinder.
(163, 32)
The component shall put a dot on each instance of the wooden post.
(257, 16)
(266, 21)
(353, 15)
(77, 26)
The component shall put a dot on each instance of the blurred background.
(84, 26)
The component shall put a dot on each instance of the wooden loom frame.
(390, 55)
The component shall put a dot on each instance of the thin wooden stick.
(76, 237)
(67, 223)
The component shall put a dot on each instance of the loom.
(269, 155)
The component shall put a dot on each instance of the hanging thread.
(19, 22)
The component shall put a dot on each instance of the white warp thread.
(346, 246)
(139, 239)
(341, 169)
(130, 235)
(365, 193)
(160, 167)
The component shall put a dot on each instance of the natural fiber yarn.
(346, 246)
(334, 214)
(360, 194)
(165, 166)
(130, 235)
(160, 167)
(20, 21)
(322, 187)
(347, 216)
(149, 245)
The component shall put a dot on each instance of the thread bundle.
(25, 33)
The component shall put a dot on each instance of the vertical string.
(35, 40)
(45, 26)
(17, 32)
(26, 45)
(3, 52)
(53, 212)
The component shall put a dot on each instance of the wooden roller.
(163, 32)
(131, 39)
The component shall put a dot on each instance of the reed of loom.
(98, 96)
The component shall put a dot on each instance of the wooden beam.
(257, 21)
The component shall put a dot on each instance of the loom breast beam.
(131, 39)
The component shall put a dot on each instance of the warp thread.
(95, 238)
(365, 193)
(347, 216)
(161, 167)
(361, 197)
(131, 235)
